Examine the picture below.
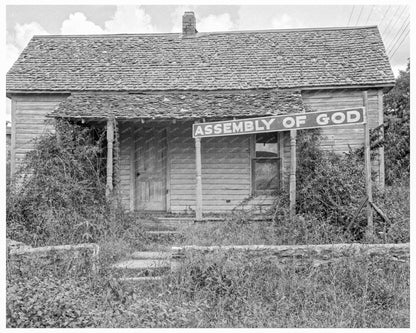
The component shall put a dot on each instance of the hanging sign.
(279, 123)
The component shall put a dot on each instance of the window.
(266, 163)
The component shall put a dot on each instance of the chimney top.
(189, 24)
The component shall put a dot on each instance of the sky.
(24, 21)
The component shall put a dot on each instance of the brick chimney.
(189, 24)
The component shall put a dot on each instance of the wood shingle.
(207, 61)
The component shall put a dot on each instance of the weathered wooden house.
(153, 87)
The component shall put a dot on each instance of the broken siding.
(29, 122)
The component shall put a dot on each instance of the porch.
(152, 157)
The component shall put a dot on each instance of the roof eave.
(389, 85)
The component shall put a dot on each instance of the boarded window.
(266, 164)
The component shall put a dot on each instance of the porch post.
(110, 139)
(292, 182)
(367, 157)
(381, 171)
(132, 168)
(198, 209)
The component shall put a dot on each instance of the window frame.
(254, 158)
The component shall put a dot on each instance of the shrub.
(397, 129)
(329, 185)
(397, 148)
(329, 191)
(58, 196)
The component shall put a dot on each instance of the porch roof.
(180, 105)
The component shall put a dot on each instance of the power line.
(391, 20)
(350, 15)
(400, 44)
(394, 39)
(371, 11)
(385, 13)
(359, 15)
(392, 52)
(400, 36)
(397, 20)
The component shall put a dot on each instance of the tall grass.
(307, 228)
(221, 291)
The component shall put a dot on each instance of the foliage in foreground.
(58, 196)
(220, 292)
(330, 190)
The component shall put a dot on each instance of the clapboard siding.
(29, 122)
(341, 138)
(225, 170)
(337, 138)
(125, 174)
(226, 177)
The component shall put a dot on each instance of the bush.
(397, 129)
(58, 196)
(329, 191)
(397, 148)
(328, 185)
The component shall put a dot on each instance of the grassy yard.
(358, 292)
(355, 292)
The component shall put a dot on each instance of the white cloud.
(254, 18)
(221, 22)
(264, 17)
(211, 22)
(77, 24)
(126, 19)
(176, 17)
(285, 21)
(17, 40)
(129, 19)
(24, 32)
(12, 53)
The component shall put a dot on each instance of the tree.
(397, 129)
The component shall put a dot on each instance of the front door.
(151, 169)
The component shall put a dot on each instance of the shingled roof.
(186, 105)
(299, 58)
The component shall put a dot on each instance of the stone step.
(162, 232)
(140, 264)
(156, 226)
(179, 221)
(151, 255)
(142, 278)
